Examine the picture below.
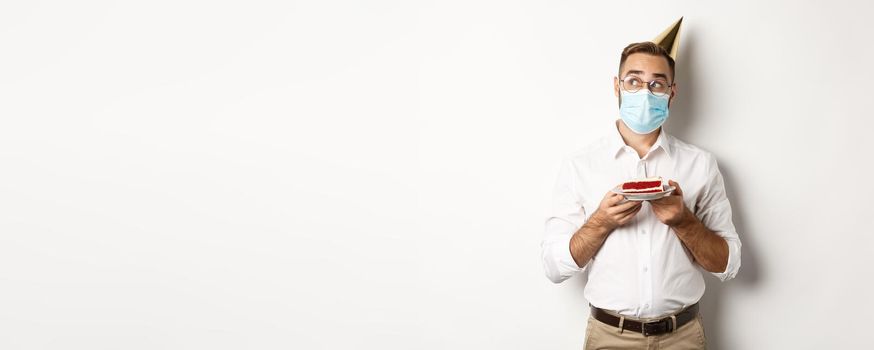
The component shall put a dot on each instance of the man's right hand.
(614, 212)
(611, 213)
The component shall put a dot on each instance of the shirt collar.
(617, 144)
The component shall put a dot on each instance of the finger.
(623, 214)
(627, 216)
(658, 201)
(625, 206)
(612, 203)
(630, 210)
(664, 201)
(614, 198)
(677, 190)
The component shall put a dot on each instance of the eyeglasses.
(658, 87)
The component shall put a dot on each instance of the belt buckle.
(643, 328)
(662, 323)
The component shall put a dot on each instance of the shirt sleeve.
(566, 216)
(714, 211)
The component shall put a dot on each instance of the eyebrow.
(657, 75)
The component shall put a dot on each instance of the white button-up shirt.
(642, 269)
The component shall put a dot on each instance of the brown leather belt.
(656, 327)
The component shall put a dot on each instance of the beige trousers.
(602, 336)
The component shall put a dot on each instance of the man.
(644, 259)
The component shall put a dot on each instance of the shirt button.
(646, 306)
(645, 269)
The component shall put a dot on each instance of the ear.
(673, 94)
(616, 86)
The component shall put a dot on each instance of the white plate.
(667, 189)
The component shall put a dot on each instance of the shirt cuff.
(733, 260)
(566, 259)
(565, 265)
(557, 258)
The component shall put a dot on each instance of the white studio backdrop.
(376, 174)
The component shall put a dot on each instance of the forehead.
(646, 63)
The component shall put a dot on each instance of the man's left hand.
(671, 210)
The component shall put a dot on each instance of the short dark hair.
(647, 48)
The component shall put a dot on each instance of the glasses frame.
(647, 83)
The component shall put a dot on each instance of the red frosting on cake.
(640, 185)
(649, 185)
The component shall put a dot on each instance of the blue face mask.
(642, 111)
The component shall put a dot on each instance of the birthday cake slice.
(648, 185)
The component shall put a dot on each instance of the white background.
(376, 174)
